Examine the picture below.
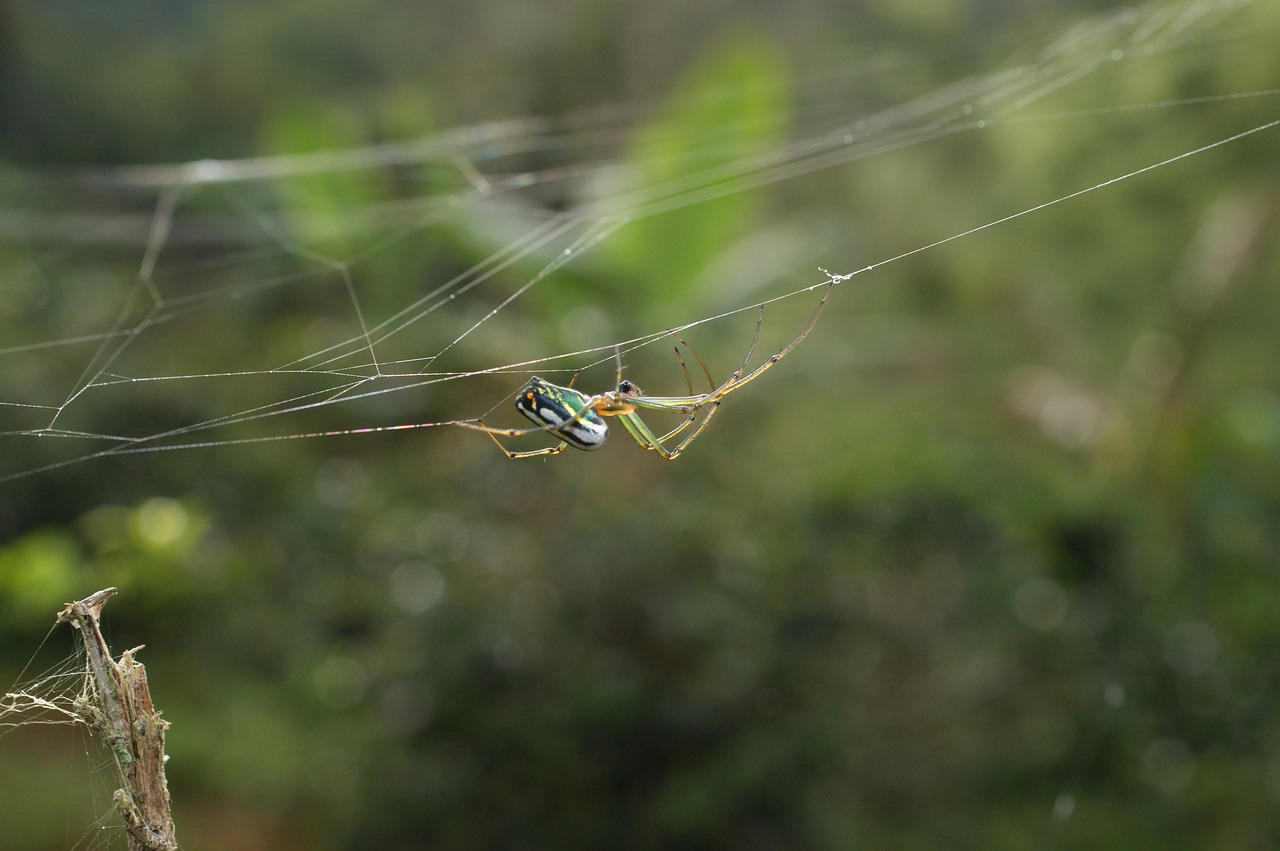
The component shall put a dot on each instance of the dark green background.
(989, 561)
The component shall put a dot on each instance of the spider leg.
(478, 425)
(684, 424)
(691, 405)
(688, 380)
(671, 456)
(643, 435)
(737, 379)
(755, 338)
(640, 431)
(532, 453)
(617, 357)
(710, 381)
(692, 412)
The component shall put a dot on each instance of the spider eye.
(626, 388)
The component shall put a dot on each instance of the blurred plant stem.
(1155, 385)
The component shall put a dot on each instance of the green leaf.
(729, 108)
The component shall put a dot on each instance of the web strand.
(425, 338)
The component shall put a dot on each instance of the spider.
(577, 419)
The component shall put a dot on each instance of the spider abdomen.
(549, 404)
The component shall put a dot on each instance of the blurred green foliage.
(989, 561)
(722, 113)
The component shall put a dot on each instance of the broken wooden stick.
(117, 706)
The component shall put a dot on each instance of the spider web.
(56, 698)
(154, 267)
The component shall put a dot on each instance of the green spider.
(577, 419)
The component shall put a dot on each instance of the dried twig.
(118, 708)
